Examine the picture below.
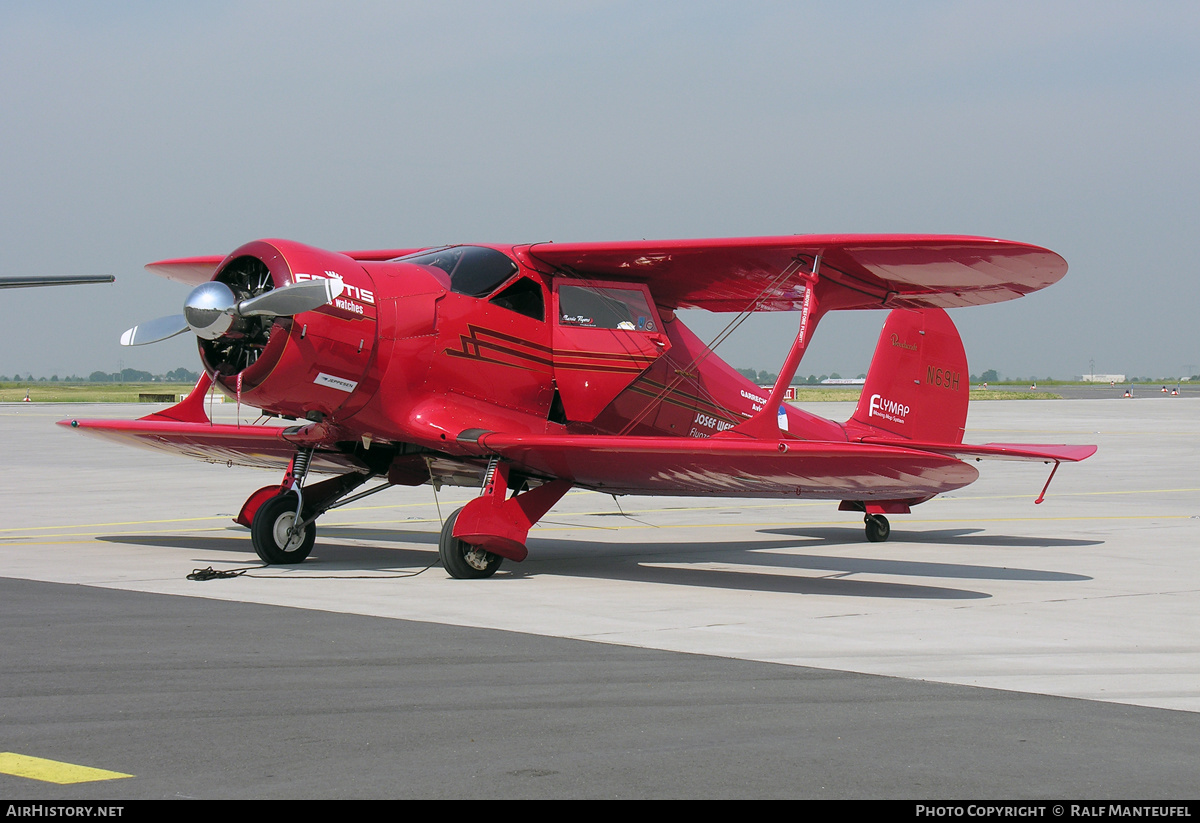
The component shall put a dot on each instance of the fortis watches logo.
(887, 409)
(349, 289)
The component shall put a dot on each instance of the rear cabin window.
(596, 307)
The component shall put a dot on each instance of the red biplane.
(528, 370)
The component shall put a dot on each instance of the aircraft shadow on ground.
(782, 570)
(771, 579)
(953, 537)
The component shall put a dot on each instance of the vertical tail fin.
(918, 384)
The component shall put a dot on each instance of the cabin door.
(605, 335)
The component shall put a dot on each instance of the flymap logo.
(887, 409)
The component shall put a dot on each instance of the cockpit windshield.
(473, 270)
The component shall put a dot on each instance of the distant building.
(844, 381)
(1103, 378)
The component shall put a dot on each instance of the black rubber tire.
(269, 527)
(878, 528)
(462, 560)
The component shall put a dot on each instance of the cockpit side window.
(524, 297)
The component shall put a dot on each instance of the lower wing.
(730, 467)
(266, 447)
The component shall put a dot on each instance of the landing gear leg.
(282, 518)
(878, 528)
(462, 560)
(274, 528)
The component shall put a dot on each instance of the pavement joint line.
(1059, 494)
(1123, 595)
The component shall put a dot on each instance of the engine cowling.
(315, 363)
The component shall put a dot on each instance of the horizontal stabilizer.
(997, 451)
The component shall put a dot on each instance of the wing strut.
(1042, 496)
(784, 275)
(765, 424)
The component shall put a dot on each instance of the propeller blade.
(155, 330)
(210, 309)
(292, 299)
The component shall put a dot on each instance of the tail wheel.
(462, 560)
(878, 528)
(273, 534)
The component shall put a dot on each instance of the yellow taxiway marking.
(52, 771)
(70, 530)
(119, 523)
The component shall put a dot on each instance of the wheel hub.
(286, 538)
(477, 559)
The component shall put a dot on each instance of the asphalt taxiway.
(649, 647)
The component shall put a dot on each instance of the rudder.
(918, 385)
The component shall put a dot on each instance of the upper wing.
(196, 270)
(731, 467)
(872, 271)
(190, 270)
(763, 273)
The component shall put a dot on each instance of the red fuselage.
(421, 349)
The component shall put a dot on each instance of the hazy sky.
(134, 131)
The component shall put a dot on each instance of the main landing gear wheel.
(462, 560)
(878, 528)
(269, 532)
